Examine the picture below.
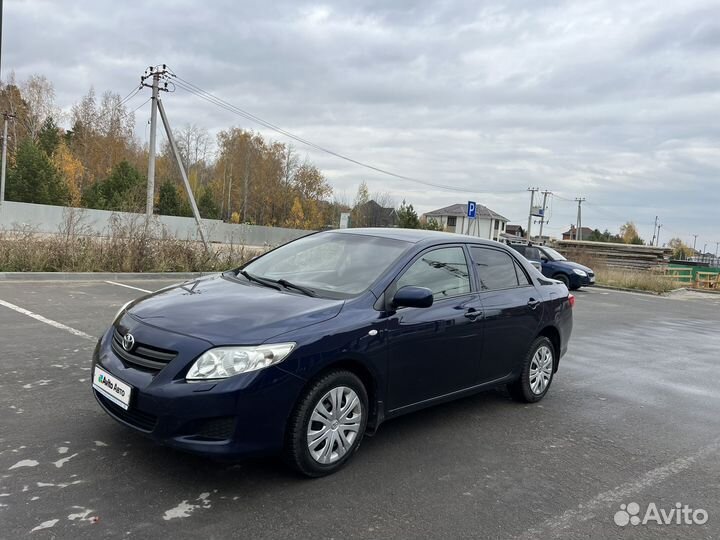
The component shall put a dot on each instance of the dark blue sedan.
(553, 265)
(309, 347)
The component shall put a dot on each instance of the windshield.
(337, 264)
(553, 255)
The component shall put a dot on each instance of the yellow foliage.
(235, 218)
(71, 170)
(296, 219)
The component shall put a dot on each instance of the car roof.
(416, 236)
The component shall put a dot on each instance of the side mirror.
(411, 296)
(544, 259)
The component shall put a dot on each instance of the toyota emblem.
(128, 342)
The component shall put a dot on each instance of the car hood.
(571, 265)
(227, 312)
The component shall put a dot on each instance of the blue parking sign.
(472, 206)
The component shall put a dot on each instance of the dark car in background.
(556, 266)
(310, 346)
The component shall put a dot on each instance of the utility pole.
(190, 195)
(532, 201)
(156, 73)
(245, 183)
(716, 249)
(6, 116)
(542, 218)
(578, 227)
(694, 241)
(652, 242)
(658, 234)
(229, 210)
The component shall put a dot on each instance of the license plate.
(112, 388)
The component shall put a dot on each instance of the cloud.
(611, 101)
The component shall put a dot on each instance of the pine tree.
(407, 217)
(34, 179)
(169, 203)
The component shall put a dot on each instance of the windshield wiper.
(288, 285)
(267, 282)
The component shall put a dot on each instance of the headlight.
(223, 362)
(579, 272)
(121, 311)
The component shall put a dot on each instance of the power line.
(207, 96)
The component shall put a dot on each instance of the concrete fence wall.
(51, 219)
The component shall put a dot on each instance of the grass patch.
(641, 280)
(127, 246)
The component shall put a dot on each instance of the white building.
(453, 218)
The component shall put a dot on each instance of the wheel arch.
(366, 376)
(553, 334)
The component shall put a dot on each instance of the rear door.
(435, 351)
(512, 310)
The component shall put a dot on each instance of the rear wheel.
(327, 425)
(537, 373)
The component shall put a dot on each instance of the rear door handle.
(532, 303)
(473, 314)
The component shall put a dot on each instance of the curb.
(97, 276)
(638, 291)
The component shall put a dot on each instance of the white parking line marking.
(45, 320)
(128, 286)
(588, 509)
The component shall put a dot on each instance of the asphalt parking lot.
(632, 416)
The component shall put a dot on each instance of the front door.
(435, 351)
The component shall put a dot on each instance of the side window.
(523, 278)
(519, 249)
(496, 269)
(532, 254)
(444, 271)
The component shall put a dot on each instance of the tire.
(335, 436)
(564, 279)
(527, 389)
(574, 287)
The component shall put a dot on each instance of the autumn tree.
(70, 170)
(680, 249)
(359, 217)
(34, 178)
(629, 234)
(39, 97)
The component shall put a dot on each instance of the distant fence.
(50, 219)
(614, 255)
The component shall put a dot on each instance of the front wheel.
(327, 425)
(537, 373)
(562, 277)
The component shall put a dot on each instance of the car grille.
(143, 356)
(136, 418)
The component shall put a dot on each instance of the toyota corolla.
(311, 346)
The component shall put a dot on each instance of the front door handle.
(532, 303)
(473, 314)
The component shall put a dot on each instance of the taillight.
(571, 300)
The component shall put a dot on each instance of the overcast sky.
(618, 102)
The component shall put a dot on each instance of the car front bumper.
(230, 418)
